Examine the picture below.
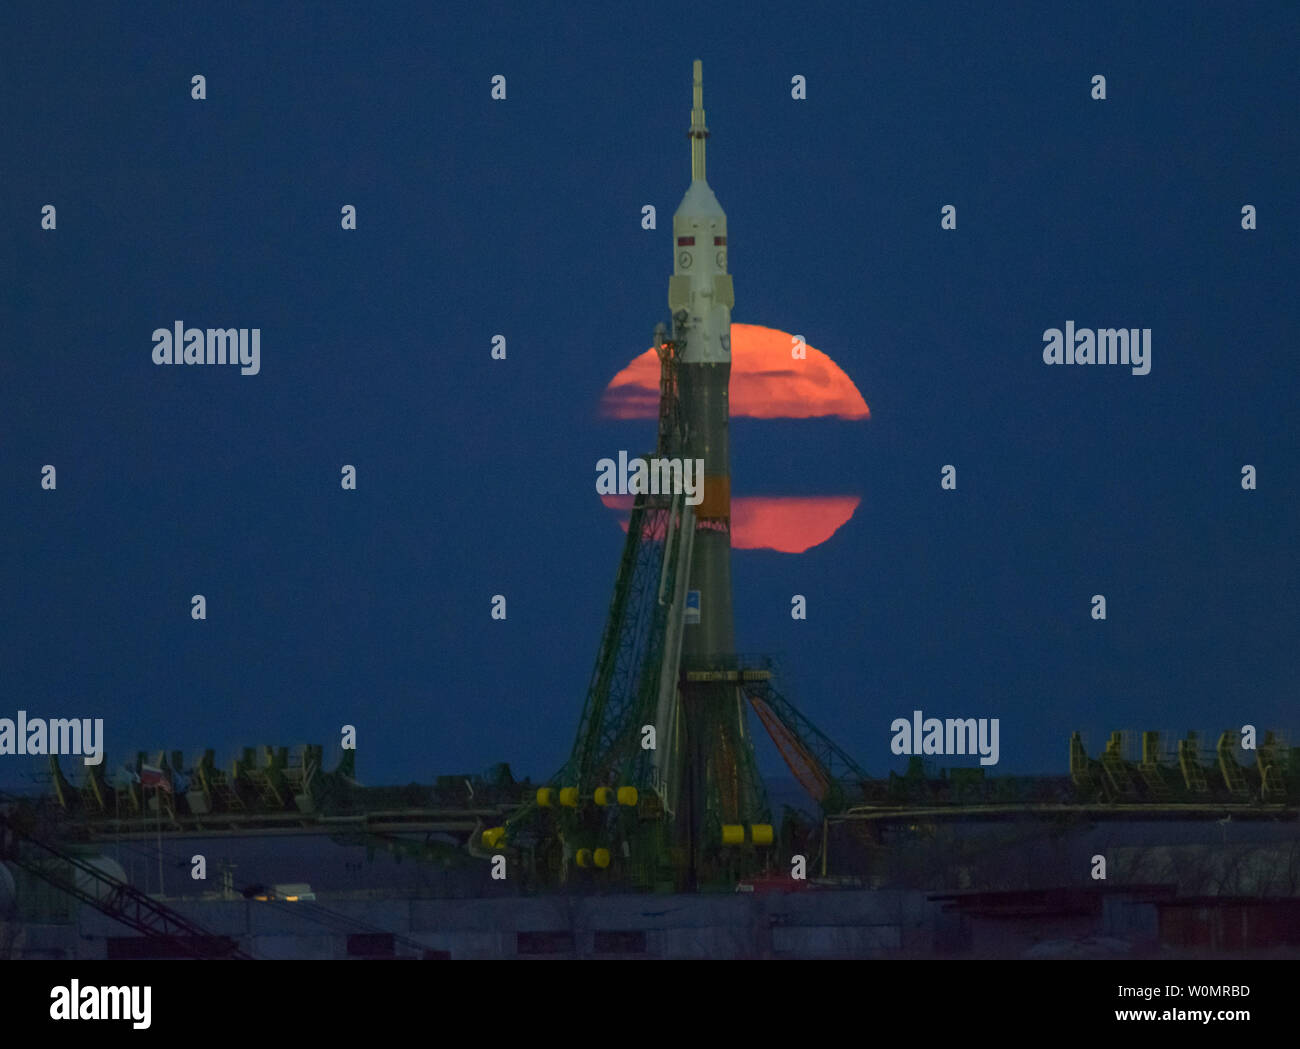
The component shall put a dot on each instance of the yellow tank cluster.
(593, 858)
(569, 797)
(572, 798)
(606, 797)
(759, 834)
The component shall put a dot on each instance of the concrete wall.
(841, 924)
(810, 924)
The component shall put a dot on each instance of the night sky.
(523, 217)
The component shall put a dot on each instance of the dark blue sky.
(522, 217)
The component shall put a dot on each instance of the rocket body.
(700, 296)
(715, 784)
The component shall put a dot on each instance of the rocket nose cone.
(700, 201)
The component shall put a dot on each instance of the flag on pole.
(154, 777)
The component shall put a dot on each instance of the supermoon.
(766, 383)
(787, 524)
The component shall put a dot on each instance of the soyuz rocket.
(709, 744)
(667, 660)
(700, 298)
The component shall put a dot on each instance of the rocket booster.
(700, 297)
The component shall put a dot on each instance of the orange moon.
(787, 524)
(767, 382)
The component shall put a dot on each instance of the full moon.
(767, 382)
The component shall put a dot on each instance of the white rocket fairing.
(700, 284)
